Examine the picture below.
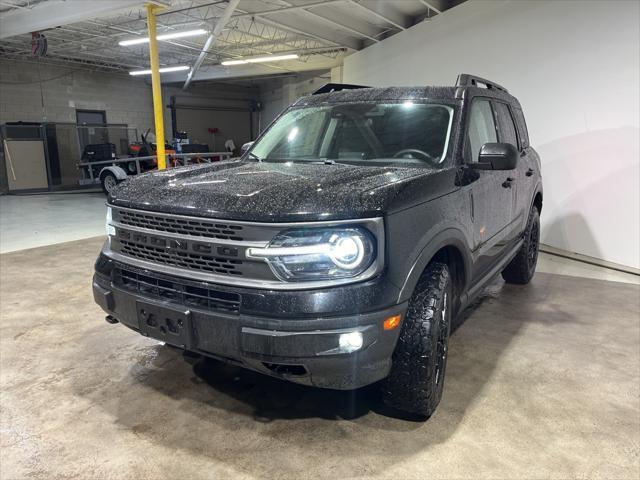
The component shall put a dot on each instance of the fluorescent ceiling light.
(164, 36)
(228, 63)
(177, 68)
(270, 58)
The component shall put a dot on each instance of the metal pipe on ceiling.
(217, 30)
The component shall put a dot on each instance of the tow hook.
(111, 319)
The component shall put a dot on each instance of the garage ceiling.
(319, 32)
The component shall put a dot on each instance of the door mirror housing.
(496, 156)
(245, 147)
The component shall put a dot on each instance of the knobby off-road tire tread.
(410, 386)
(518, 271)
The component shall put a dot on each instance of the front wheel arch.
(450, 244)
(537, 201)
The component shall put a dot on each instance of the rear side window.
(522, 127)
(505, 124)
(482, 128)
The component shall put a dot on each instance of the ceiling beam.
(217, 30)
(359, 31)
(261, 17)
(56, 13)
(288, 9)
(13, 5)
(435, 5)
(219, 72)
(383, 11)
(350, 43)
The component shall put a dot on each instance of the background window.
(91, 117)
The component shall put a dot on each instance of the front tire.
(416, 380)
(521, 269)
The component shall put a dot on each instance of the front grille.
(192, 261)
(197, 295)
(183, 226)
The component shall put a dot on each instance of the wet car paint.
(424, 209)
(418, 203)
(280, 192)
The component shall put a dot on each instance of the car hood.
(270, 192)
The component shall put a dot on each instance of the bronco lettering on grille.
(175, 245)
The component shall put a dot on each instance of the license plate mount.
(170, 325)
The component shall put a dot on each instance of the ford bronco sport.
(336, 251)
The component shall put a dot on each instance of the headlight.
(319, 254)
(111, 230)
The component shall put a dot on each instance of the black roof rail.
(336, 87)
(466, 80)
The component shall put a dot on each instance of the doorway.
(92, 127)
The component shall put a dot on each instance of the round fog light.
(350, 342)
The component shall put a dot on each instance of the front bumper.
(298, 348)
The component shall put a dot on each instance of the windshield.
(360, 133)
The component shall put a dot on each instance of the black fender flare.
(537, 190)
(450, 236)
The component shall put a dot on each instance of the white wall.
(574, 65)
(278, 93)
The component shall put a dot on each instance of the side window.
(482, 128)
(505, 124)
(522, 127)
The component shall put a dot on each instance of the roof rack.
(466, 80)
(336, 87)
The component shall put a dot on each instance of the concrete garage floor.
(28, 221)
(543, 381)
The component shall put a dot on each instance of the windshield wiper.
(325, 161)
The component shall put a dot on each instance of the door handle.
(507, 182)
(530, 172)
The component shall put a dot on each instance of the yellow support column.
(156, 86)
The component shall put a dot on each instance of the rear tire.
(521, 269)
(416, 380)
(108, 182)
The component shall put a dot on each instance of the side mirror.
(245, 147)
(496, 156)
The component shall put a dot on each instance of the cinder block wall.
(44, 93)
(33, 92)
(36, 93)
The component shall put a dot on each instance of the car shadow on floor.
(218, 408)
(272, 399)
